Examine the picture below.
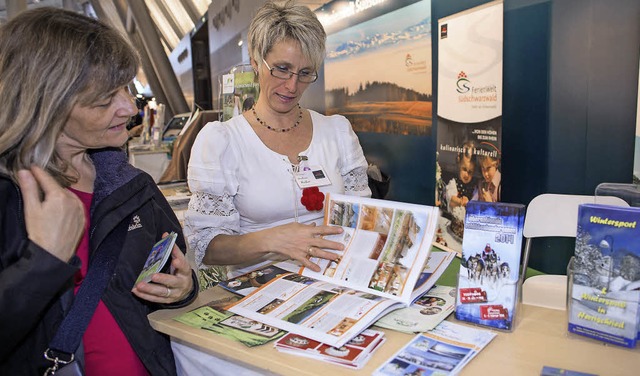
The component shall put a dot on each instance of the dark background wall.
(570, 100)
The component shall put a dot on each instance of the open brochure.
(386, 246)
(444, 350)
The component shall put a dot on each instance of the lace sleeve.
(213, 184)
(356, 182)
(218, 216)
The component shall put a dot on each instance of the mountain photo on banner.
(390, 89)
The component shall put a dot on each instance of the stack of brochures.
(442, 351)
(354, 354)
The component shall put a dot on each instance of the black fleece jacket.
(36, 288)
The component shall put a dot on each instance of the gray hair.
(50, 60)
(274, 23)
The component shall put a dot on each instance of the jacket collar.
(112, 171)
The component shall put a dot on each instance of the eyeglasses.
(285, 74)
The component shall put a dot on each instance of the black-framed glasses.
(285, 74)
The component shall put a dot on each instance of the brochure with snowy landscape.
(490, 266)
(605, 279)
(444, 350)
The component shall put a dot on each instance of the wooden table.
(540, 338)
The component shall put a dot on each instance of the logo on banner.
(443, 31)
(462, 85)
(470, 93)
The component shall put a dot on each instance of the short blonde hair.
(277, 22)
(50, 60)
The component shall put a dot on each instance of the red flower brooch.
(312, 198)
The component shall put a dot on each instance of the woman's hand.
(168, 288)
(300, 242)
(56, 221)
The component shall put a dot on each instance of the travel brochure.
(490, 266)
(605, 279)
(213, 318)
(354, 354)
(160, 253)
(386, 246)
(424, 314)
(445, 350)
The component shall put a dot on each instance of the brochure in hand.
(160, 253)
(443, 351)
(354, 354)
(605, 279)
(386, 243)
(490, 265)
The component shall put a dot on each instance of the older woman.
(247, 205)
(71, 207)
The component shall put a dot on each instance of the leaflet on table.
(354, 354)
(606, 274)
(555, 371)
(490, 265)
(213, 318)
(386, 245)
(443, 351)
(316, 309)
(424, 314)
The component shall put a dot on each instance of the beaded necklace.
(253, 108)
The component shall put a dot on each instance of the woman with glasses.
(247, 205)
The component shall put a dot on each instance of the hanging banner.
(391, 91)
(469, 134)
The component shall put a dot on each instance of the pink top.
(106, 350)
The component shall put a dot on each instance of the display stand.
(239, 91)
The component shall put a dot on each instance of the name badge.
(312, 176)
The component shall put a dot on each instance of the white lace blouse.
(239, 185)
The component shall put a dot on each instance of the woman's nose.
(126, 104)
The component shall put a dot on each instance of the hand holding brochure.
(158, 257)
(386, 247)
